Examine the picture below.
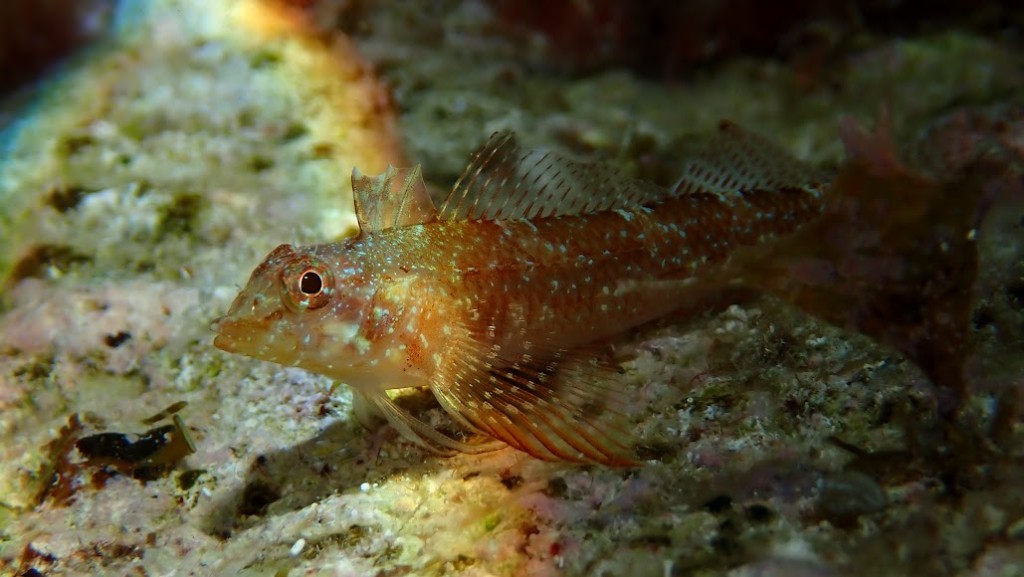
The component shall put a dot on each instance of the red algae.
(894, 254)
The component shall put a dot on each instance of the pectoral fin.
(557, 405)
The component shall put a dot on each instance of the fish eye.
(306, 285)
(311, 283)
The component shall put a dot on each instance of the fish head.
(302, 306)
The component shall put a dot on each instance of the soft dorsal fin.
(735, 160)
(396, 197)
(505, 182)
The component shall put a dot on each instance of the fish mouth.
(225, 344)
(232, 333)
(222, 341)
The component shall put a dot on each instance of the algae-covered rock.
(147, 177)
(193, 121)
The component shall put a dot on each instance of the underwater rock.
(846, 496)
(132, 187)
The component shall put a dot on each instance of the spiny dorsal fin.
(735, 160)
(397, 197)
(505, 182)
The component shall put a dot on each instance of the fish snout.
(222, 341)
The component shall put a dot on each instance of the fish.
(501, 300)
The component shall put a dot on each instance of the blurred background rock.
(35, 35)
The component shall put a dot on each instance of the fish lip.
(230, 332)
(222, 340)
(223, 343)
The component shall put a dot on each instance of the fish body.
(496, 300)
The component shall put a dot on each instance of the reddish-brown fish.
(494, 300)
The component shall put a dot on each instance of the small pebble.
(848, 495)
